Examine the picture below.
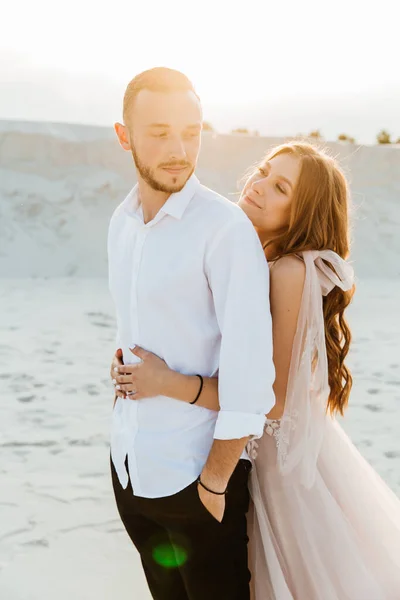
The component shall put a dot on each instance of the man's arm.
(239, 280)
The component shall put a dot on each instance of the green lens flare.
(169, 556)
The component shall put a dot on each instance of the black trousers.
(186, 553)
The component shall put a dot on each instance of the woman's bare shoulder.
(286, 285)
(288, 269)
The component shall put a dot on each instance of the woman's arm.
(186, 387)
(153, 377)
(287, 283)
(286, 291)
(287, 278)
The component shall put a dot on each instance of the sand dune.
(60, 183)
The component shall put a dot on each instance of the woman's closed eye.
(281, 189)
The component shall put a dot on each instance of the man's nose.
(177, 150)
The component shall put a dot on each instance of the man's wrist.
(210, 490)
(216, 482)
(221, 463)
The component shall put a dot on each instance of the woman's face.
(267, 195)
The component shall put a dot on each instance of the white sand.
(60, 534)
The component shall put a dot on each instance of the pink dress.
(322, 524)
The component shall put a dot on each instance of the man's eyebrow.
(166, 125)
(159, 125)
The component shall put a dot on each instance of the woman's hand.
(116, 362)
(142, 380)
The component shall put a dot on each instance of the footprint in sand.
(367, 443)
(41, 444)
(70, 391)
(392, 454)
(373, 391)
(100, 314)
(43, 543)
(26, 399)
(91, 389)
(102, 320)
(373, 407)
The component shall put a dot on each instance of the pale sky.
(235, 53)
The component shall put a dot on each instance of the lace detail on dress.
(287, 424)
(272, 426)
(273, 429)
(252, 449)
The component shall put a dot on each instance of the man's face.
(164, 133)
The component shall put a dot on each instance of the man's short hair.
(159, 79)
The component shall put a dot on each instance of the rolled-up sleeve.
(239, 280)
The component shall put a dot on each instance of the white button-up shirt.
(191, 286)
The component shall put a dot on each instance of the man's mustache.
(173, 165)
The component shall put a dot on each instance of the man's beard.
(148, 176)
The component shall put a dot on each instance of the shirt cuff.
(232, 425)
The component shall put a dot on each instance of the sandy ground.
(60, 534)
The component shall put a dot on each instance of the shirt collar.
(131, 202)
(177, 203)
(175, 206)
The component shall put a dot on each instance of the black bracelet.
(200, 390)
(211, 491)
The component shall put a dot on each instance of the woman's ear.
(123, 136)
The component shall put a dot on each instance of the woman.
(322, 524)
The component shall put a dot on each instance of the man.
(190, 283)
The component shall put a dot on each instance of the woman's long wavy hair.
(319, 220)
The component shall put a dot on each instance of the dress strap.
(342, 276)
